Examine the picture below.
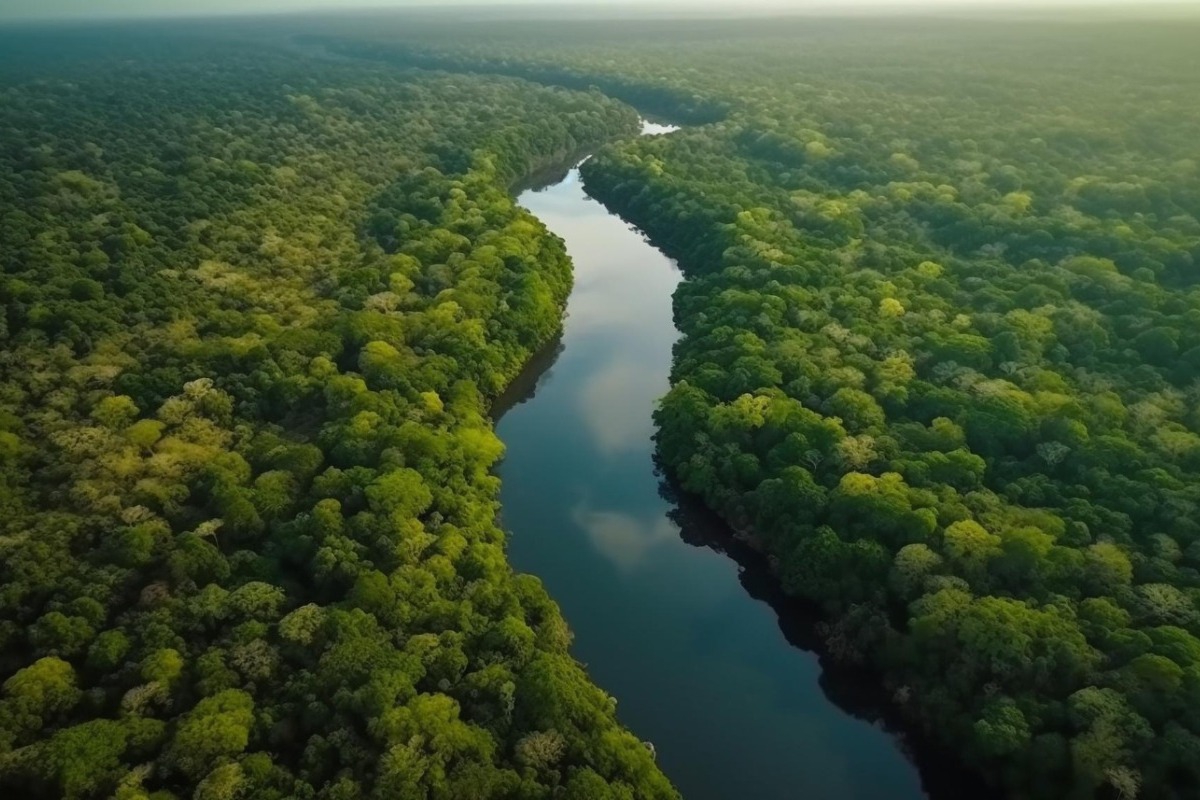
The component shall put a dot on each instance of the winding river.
(699, 651)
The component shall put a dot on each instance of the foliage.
(254, 307)
(940, 351)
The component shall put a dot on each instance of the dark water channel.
(705, 660)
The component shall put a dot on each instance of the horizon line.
(622, 9)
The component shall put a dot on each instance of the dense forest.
(940, 362)
(941, 351)
(253, 309)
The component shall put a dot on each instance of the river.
(689, 640)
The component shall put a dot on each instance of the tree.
(911, 565)
(970, 547)
(1002, 730)
(39, 693)
(226, 782)
(400, 493)
(217, 727)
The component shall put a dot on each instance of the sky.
(81, 9)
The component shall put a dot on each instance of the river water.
(688, 639)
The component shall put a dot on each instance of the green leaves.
(217, 727)
(976, 368)
(245, 461)
(400, 494)
(1003, 730)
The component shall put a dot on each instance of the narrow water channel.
(698, 660)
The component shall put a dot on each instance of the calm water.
(682, 636)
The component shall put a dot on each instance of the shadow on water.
(857, 691)
(524, 386)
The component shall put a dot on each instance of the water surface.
(699, 665)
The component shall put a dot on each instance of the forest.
(941, 348)
(939, 363)
(254, 310)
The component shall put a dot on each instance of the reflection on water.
(524, 387)
(699, 665)
(623, 539)
(604, 401)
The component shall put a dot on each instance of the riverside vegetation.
(941, 342)
(253, 310)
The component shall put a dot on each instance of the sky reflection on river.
(624, 539)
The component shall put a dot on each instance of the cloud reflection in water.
(606, 399)
(623, 539)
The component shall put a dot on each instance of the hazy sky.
(18, 9)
